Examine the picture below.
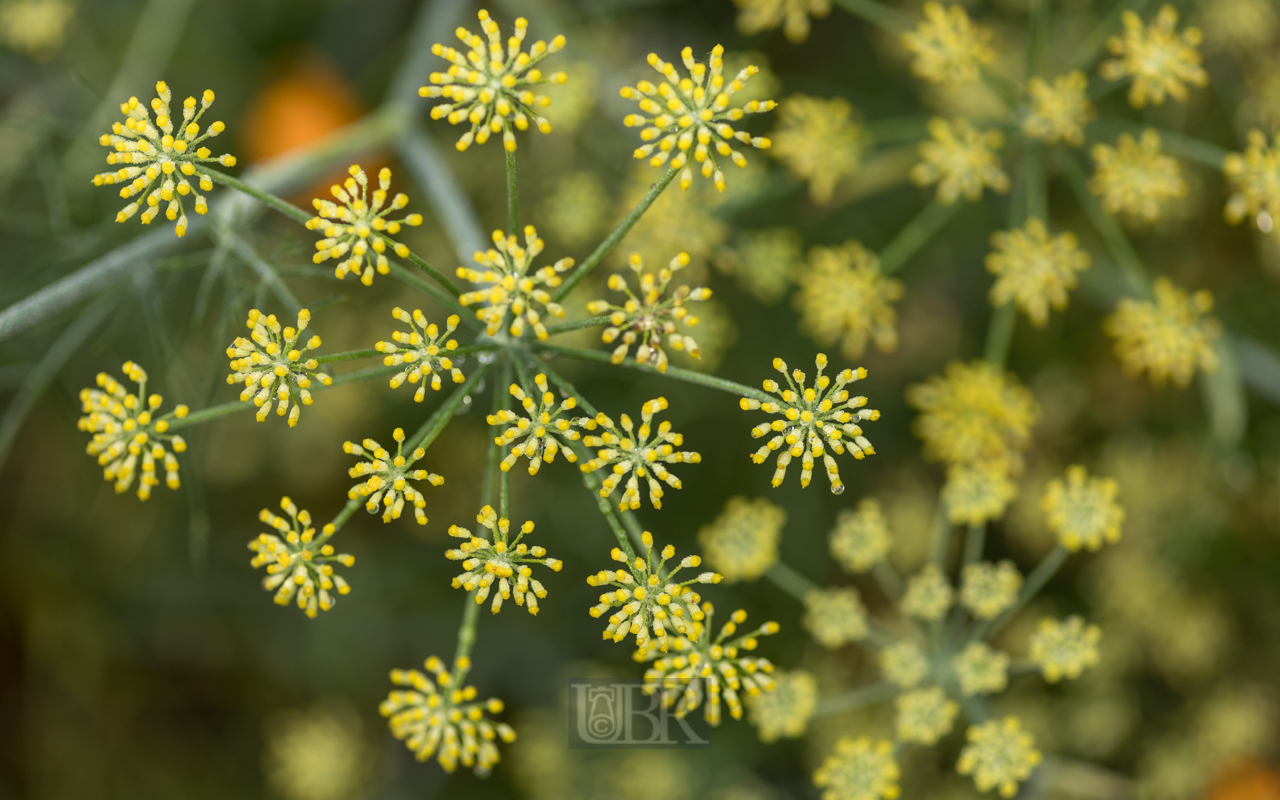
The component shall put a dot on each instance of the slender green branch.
(493, 453)
(941, 547)
(862, 696)
(1038, 46)
(1107, 227)
(466, 640)
(468, 317)
(974, 543)
(878, 14)
(790, 581)
(443, 415)
(1044, 571)
(577, 325)
(1178, 144)
(266, 198)
(349, 355)
(1108, 26)
(513, 196)
(210, 413)
(1000, 333)
(435, 274)
(891, 130)
(504, 475)
(341, 519)
(887, 578)
(267, 271)
(686, 375)
(362, 375)
(915, 235)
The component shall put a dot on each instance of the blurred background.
(139, 656)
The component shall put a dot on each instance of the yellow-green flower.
(1082, 511)
(819, 141)
(987, 589)
(999, 755)
(633, 452)
(764, 262)
(693, 114)
(126, 430)
(35, 27)
(540, 427)
(785, 711)
(1064, 649)
(1134, 177)
(835, 617)
(1059, 111)
(388, 486)
(1241, 27)
(489, 86)
(649, 317)
(1169, 338)
(977, 412)
(298, 562)
(844, 297)
(1160, 60)
(504, 560)
(742, 542)
(861, 537)
(859, 769)
(1254, 176)
(422, 350)
(961, 160)
(358, 223)
(947, 47)
(904, 664)
(793, 15)
(269, 364)
(151, 152)
(980, 669)
(929, 595)
(978, 492)
(509, 284)
(925, 716)
(1034, 269)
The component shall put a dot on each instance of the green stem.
(862, 696)
(1107, 227)
(887, 18)
(513, 195)
(1044, 571)
(887, 578)
(362, 375)
(942, 528)
(405, 276)
(444, 414)
(266, 198)
(974, 542)
(686, 375)
(210, 413)
(504, 476)
(1000, 333)
(1109, 25)
(1036, 188)
(493, 453)
(265, 269)
(915, 235)
(589, 322)
(340, 520)
(1039, 44)
(435, 274)
(466, 639)
(790, 581)
(1178, 144)
(349, 355)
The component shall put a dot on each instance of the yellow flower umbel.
(1082, 511)
(270, 364)
(861, 538)
(755, 16)
(987, 589)
(1064, 649)
(844, 297)
(925, 716)
(693, 113)
(701, 668)
(633, 452)
(1158, 58)
(648, 597)
(126, 430)
(1034, 269)
(764, 262)
(859, 769)
(976, 412)
(819, 142)
(946, 46)
(785, 711)
(999, 754)
(981, 669)
(357, 223)
(298, 562)
(388, 483)
(441, 717)
(961, 160)
(539, 427)
(742, 542)
(928, 596)
(1254, 176)
(491, 89)
(152, 152)
(504, 560)
(1169, 338)
(422, 349)
(835, 617)
(904, 664)
(1134, 177)
(1059, 111)
(648, 317)
(978, 492)
(510, 285)
(809, 417)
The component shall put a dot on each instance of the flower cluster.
(859, 769)
(977, 412)
(928, 596)
(835, 617)
(388, 483)
(981, 669)
(650, 316)
(785, 711)
(961, 160)
(1034, 269)
(988, 589)
(538, 429)
(792, 15)
(358, 223)
(269, 364)
(946, 46)
(978, 492)
(1134, 177)
(819, 141)
(504, 560)
(861, 537)
(1064, 649)
(844, 297)
(422, 350)
(1254, 176)
(511, 286)
(1082, 511)
(925, 715)
(1160, 60)
(298, 562)
(1059, 110)
(632, 452)
(1169, 338)
(742, 542)
(999, 754)
(150, 150)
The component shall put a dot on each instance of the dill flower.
(835, 617)
(1158, 58)
(1254, 176)
(929, 595)
(844, 297)
(978, 411)
(1134, 177)
(978, 492)
(861, 537)
(981, 669)
(1083, 511)
(649, 317)
(764, 262)
(1169, 338)
(693, 113)
(316, 753)
(859, 769)
(539, 427)
(489, 91)
(784, 712)
(1064, 649)
(388, 482)
(648, 597)
(925, 715)
(1034, 269)
(269, 364)
(422, 348)
(151, 151)
(677, 221)
(810, 416)
(986, 589)
(631, 451)
(701, 667)
(947, 47)
(125, 431)
(1239, 25)
(1059, 111)
(904, 664)
(999, 754)
(510, 286)
(438, 717)
(961, 160)
(742, 542)
(298, 562)
(35, 27)
(358, 223)
(504, 560)
(793, 15)
(819, 141)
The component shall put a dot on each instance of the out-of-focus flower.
(1254, 176)
(1064, 649)
(539, 427)
(388, 487)
(1059, 110)
(742, 542)
(298, 562)
(946, 46)
(358, 223)
(489, 87)
(764, 262)
(819, 141)
(859, 769)
(632, 452)
(1169, 338)
(999, 755)
(1034, 269)
(980, 669)
(693, 113)
(509, 285)
(38, 27)
(316, 754)
(978, 492)
(153, 153)
(1239, 25)
(442, 718)
(575, 99)
(675, 222)
(844, 297)
(1134, 177)
(987, 589)
(925, 716)
(835, 617)
(1082, 511)
(649, 317)
(504, 560)
(785, 711)
(929, 595)
(793, 15)
(422, 349)
(810, 416)
(269, 364)
(1160, 60)
(976, 412)
(576, 209)
(904, 664)
(861, 537)
(125, 431)
(961, 160)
